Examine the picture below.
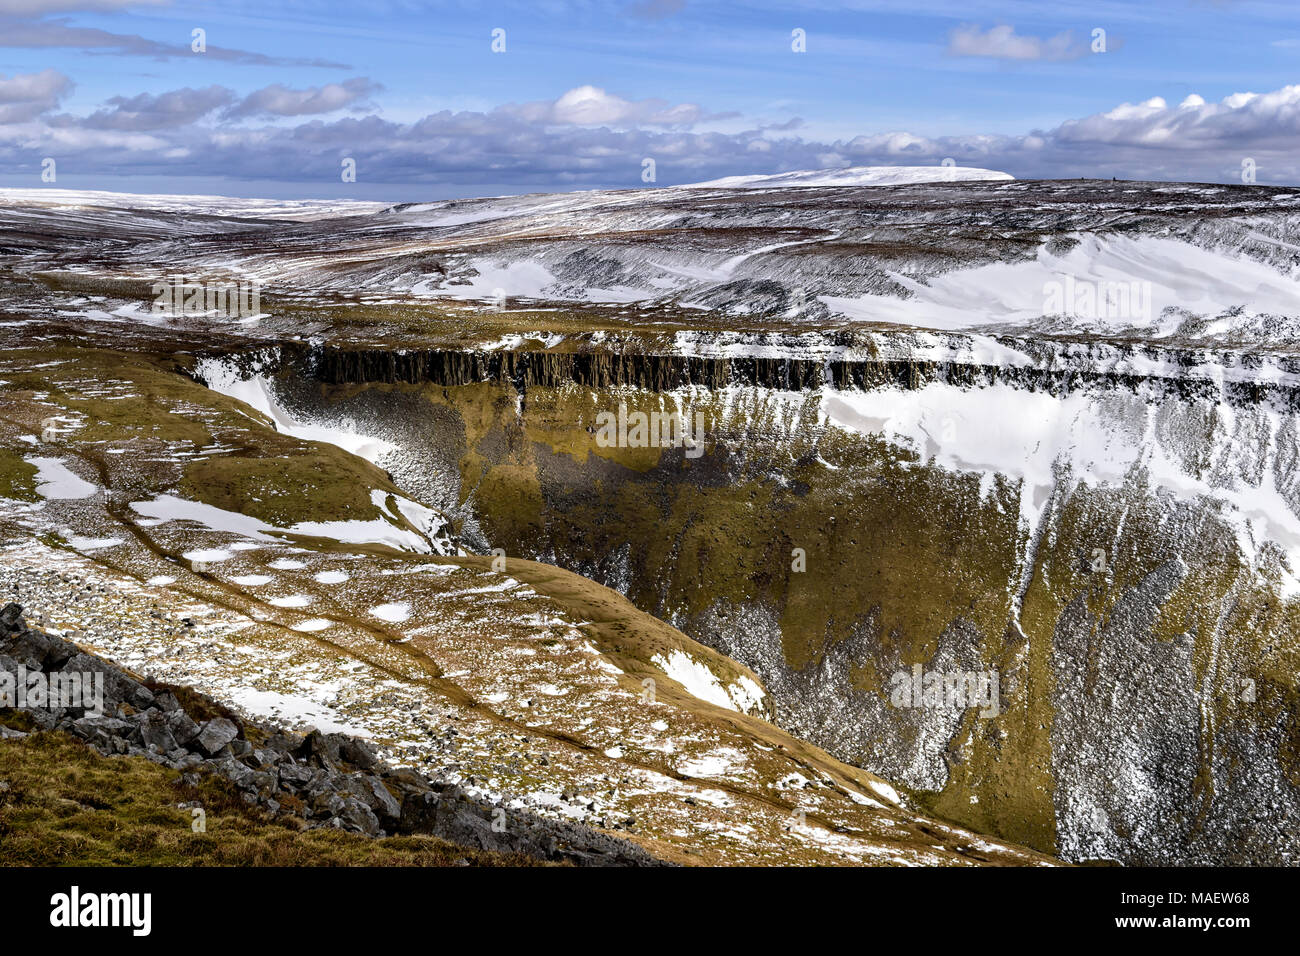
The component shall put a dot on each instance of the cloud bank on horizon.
(132, 95)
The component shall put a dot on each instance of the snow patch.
(55, 481)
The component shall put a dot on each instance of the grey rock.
(374, 794)
(167, 702)
(297, 776)
(359, 817)
(154, 732)
(262, 759)
(182, 726)
(216, 734)
(101, 731)
(319, 749)
(11, 618)
(119, 687)
(326, 803)
(358, 753)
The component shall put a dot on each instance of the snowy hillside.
(857, 176)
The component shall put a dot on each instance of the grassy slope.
(62, 804)
(276, 478)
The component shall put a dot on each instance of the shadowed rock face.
(659, 373)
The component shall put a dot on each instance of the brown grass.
(62, 804)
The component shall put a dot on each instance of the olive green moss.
(284, 491)
(65, 805)
(144, 405)
(17, 477)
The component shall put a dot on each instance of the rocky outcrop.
(1055, 374)
(327, 780)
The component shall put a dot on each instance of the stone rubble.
(336, 780)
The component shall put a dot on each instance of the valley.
(385, 505)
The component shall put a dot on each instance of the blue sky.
(585, 92)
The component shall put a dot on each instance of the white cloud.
(25, 96)
(1002, 43)
(589, 138)
(30, 8)
(171, 109)
(278, 100)
(592, 106)
(22, 27)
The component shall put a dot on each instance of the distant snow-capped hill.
(202, 205)
(856, 176)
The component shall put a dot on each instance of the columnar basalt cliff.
(661, 373)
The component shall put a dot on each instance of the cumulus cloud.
(1003, 43)
(1236, 124)
(26, 96)
(278, 100)
(587, 138)
(164, 111)
(592, 106)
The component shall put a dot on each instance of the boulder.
(358, 753)
(216, 734)
(167, 702)
(154, 732)
(11, 618)
(119, 687)
(262, 758)
(182, 726)
(101, 730)
(371, 791)
(298, 776)
(359, 817)
(319, 749)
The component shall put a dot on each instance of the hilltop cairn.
(322, 780)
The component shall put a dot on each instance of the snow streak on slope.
(857, 176)
(431, 531)
(254, 391)
(1244, 460)
(1164, 281)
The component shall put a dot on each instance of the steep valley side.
(1113, 545)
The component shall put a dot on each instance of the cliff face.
(1110, 536)
(661, 373)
